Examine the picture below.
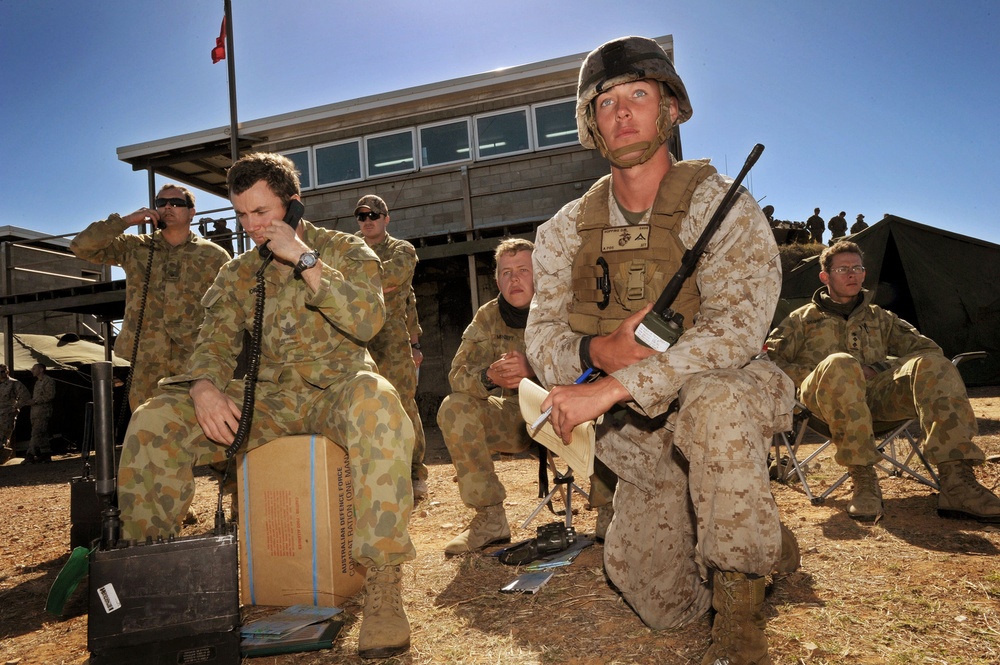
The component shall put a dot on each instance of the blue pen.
(548, 412)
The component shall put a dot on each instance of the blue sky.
(863, 106)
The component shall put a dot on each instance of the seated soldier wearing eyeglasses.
(855, 363)
(167, 271)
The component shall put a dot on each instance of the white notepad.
(579, 453)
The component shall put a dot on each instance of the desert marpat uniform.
(180, 276)
(823, 351)
(42, 397)
(390, 348)
(315, 376)
(675, 518)
(13, 394)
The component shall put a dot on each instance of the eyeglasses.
(175, 202)
(843, 270)
(362, 216)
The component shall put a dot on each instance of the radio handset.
(294, 213)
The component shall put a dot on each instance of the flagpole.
(234, 138)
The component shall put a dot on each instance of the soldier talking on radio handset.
(324, 301)
(167, 271)
(694, 520)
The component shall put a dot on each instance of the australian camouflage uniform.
(693, 491)
(172, 311)
(824, 348)
(390, 348)
(315, 376)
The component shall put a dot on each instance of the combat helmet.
(624, 60)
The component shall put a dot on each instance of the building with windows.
(460, 163)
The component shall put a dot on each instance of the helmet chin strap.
(648, 148)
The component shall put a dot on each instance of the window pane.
(338, 163)
(555, 124)
(390, 153)
(502, 133)
(442, 144)
(301, 161)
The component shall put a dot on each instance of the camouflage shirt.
(485, 339)
(738, 277)
(874, 336)
(180, 276)
(13, 394)
(321, 335)
(399, 259)
(43, 395)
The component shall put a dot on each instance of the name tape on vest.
(620, 238)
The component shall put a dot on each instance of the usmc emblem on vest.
(620, 238)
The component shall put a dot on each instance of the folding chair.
(561, 483)
(890, 436)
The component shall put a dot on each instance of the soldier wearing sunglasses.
(392, 348)
(167, 271)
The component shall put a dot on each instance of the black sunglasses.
(175, 202)
(362, 216)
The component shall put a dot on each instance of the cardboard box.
(296, 524)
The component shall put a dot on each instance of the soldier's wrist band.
(487, 381)
(585, 360)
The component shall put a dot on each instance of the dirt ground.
(912, 589)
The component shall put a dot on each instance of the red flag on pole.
(219, 52)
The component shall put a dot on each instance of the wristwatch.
(415, 345)
(306, 261)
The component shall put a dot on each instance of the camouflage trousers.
(8, 420)
(928, 388)
(473, 429)
(151, 365)
(395, 362)
(41, 417)
(703, 502)
(164, 443)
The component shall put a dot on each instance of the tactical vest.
(619, 269)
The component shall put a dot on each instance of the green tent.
(66, 351)
(946, 284)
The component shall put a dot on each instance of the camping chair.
(890, 437)
(563, 483)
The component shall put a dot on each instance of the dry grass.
(912, 589)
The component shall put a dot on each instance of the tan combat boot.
(488, 526)
(866, 504)
(790, 558)
(385, 630)
(963, 497)
(738, 630)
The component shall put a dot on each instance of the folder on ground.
(579, 453)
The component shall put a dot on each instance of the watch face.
(308, 260)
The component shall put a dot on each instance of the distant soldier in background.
(13, 395)
(220, 234)
(838, 227)
(860, 225)
(816, 226)
(42, 402)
